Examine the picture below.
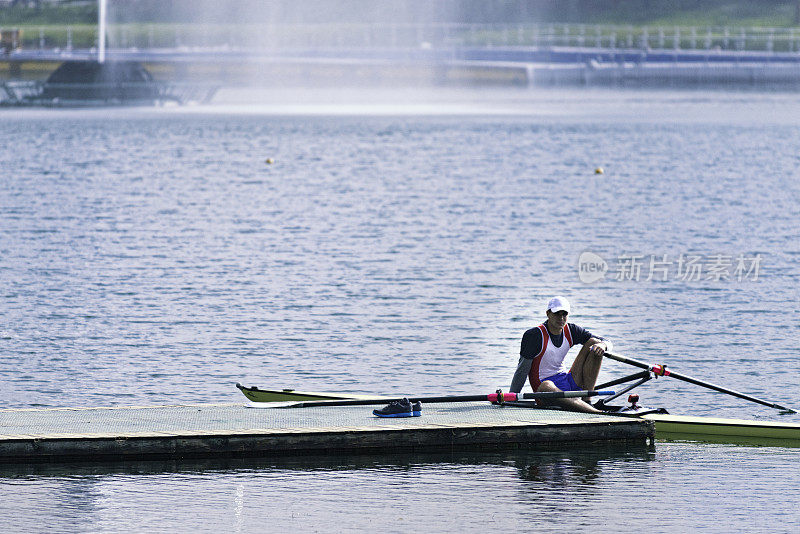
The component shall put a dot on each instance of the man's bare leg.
(575, 405)
(586, 366)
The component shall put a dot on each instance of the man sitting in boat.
(544, 349)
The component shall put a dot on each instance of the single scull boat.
(673, 427)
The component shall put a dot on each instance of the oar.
(661, 370)
(492, 397)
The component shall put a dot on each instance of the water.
(153, 256)
(584, 489)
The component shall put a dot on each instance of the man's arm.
(581, 336)
(530, 348)
(521, 374)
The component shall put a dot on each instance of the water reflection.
(550, 465)
(444, 491)
(235, 494)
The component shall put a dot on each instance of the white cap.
(558, 304)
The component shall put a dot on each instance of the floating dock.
(238, 430)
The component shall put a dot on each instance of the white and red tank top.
(550, 359)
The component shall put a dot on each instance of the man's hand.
(598, 348)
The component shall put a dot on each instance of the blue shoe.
(416, 409)
(401, 408)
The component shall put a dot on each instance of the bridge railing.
(331, 36)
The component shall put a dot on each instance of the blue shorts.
(564, 382)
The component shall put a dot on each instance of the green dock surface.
(238, 430)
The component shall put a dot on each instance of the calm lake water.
(152, 256)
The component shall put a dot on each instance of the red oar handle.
(502, 397)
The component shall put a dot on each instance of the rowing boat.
(724, 430)
(668, 427)
(255, 394)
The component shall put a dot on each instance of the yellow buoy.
(270, 161)
(598, 170)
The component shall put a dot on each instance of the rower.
(543, 351)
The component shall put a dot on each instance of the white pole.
(101, 30)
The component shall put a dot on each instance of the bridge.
(442, 53)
